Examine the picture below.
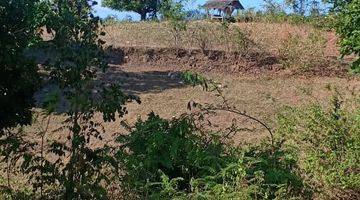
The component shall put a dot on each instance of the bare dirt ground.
(262, 96)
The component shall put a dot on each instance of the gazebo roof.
(221, 4)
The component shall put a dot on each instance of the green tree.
(302, 7)
(18, 75)
(348, 28)
(142, 7)
(298, 6)
(272, 7)
(78, 58)
(75, 168)
(172, 10)
(337, 4)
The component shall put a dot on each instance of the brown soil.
(215, 61)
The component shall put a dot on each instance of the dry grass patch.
(213, 35)
(301, 48)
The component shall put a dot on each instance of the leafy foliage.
(173, 12)
(193, 79)
(349, 31)
(259, 173)
(182, 158)
(337, 4)
(172, 159)
(179, 158)
(173, 148)
(73, 68)
(19, 78)
(141, 7)
(327, 144)
(18, 74)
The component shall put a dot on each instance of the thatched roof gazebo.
(223, 6)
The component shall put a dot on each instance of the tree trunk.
(143, 15)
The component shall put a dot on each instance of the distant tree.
(142, 7)
(337, 4)
(195, 15)
(315, 9)
(172, 10)
(312, 7)
(272, 7)
(298, 6)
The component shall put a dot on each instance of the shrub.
(19, 78)
(275, 14)
(200, 35)
(173, 11)
(301, 53)
(323, 22)
(172, 159)
(261, 172)
(70, 167)
(241, 41)
(194, 79)
(327, 143)
(172, 148)
(183, 158)
(348, 27)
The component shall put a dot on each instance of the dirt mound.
(208, 60)
(216, 61)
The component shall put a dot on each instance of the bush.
(200, 36)
(173, 11)
(314, 154)
(323, 22)
(301, 53)
(327, 143)
(261, 172)
(184, 158)
(348, 27)
(19, 78)
(172, 148)
(69, 168)
(174, 159)
(249, 15)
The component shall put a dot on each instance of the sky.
(193, 4)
